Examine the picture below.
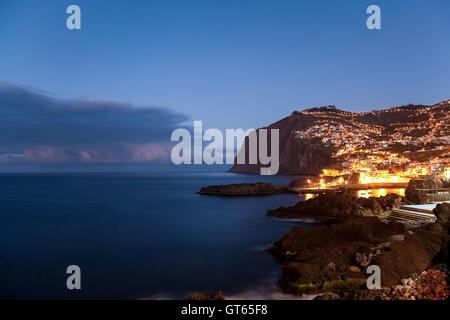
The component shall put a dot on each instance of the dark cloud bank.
(36, 128)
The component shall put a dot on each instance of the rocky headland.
(244, 189)
(416, 192)
(332, 259)
(339, 204)
(310, 139)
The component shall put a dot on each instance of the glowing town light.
(322, 183)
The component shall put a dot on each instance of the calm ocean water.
(136, 235)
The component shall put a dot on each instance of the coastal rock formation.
(404, 258)
(430, 284)
(244, 189)
(418, 251)
(323, 258)
(296, 157)
(331, 204)
(380, 206)
(334, 257)
(416, 191)
(335, 204)
(436, 236)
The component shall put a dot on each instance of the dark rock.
(324, 258)
(329, 204)
(296, 157)
(428, 285)
(336, 204)
(372, 206)
(436, 236)
(415, 192)
(381, 206)
(307, 254)
(244, 189)
(442, 213)
(404, 258)
(391, 200)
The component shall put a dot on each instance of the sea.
(138, 236)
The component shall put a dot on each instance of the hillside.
(327, 137)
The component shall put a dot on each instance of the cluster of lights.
(364, 148)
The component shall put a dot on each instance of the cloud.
(36, 127)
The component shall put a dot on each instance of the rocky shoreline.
(245, 189)
(431, 284)
(339, 204)
(331, 259)
(334, 258)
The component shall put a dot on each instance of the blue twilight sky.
(232, 64)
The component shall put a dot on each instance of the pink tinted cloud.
(123, 153)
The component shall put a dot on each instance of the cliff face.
(296, 157)
(310, 138)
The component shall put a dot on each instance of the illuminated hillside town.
(365, 153)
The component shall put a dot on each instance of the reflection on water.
(364, 193)
(379, 192)
(310, 196)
